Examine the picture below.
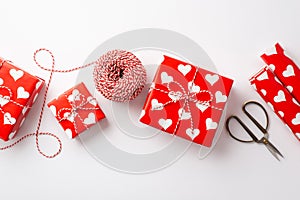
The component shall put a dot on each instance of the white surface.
(233, 33)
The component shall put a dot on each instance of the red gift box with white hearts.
(279, 85)
(76, 110)
(186, 101)
(18, 92)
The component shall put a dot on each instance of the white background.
(233, 33)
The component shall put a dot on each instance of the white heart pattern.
(289, 88)
(184, 115)
(69, 133)
(212, 79)
(193, 87)
(201, 107)
(38, 84)
(263, 76)
(272, 67)
(263, 91)
(142, 114)
(281, 113)
(192, 133)
(295, 102)
(8, 119)
(92, 100)
(296, 120)
(69, 116)
(175, 96)
(155, 105)
(280, 97)
(289, 71)
(210, 124)
(165, 78)
(91, 119)
(1, 81)
(165, 123)
(254, 86)
(16, 74)
(4, 100)
(74, 96)
(12, 134)
(220, 98)
(21, 93)
(271, 51)
(184, 69)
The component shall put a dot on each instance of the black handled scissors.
(263, 140)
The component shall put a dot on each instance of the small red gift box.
(186, 101)
(18, 91)
(76, 110)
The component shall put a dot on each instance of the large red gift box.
(18, 91)
(186, 101)
(76, 110)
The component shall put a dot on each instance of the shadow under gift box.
(186, 101)
(18, 92)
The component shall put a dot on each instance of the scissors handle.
(254, 138)
(261, 128)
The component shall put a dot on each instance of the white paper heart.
(281, 113)
(16, 74)
(1, 81)
(165, 78)
(184, 115)
(193, 87)
(192, 133)
(12, 134)
(155, 105)
(263, 76)
(289, 71)
(8, 119)
(271, 51)
(277, 80)
(271, 106)
(263, 91)
(142, 114)
(21, 93)
(210, 124)
(91, 119)
(272, 67)
(201, 107)
(69, 133)
(74, 96)
(280, 97)
(220, 97)
(175, 96)
(184, 69)
(289, 88)
(69, 116)
(212, 79)
(4, 100)
(38, 85)
(297, 135)
(92, 100)
(295, 102)
(165, 123)
(296, 120)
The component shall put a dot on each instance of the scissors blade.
(274, 151)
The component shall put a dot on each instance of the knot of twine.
(119, 75)
(75, 108)
(187, 97)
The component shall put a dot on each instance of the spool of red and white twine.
(118, 75)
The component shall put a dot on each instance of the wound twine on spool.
(118, 75)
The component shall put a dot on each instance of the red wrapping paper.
(284, 69)
(186, 101)
(278, 98)
(76, 110)
(18, 92)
